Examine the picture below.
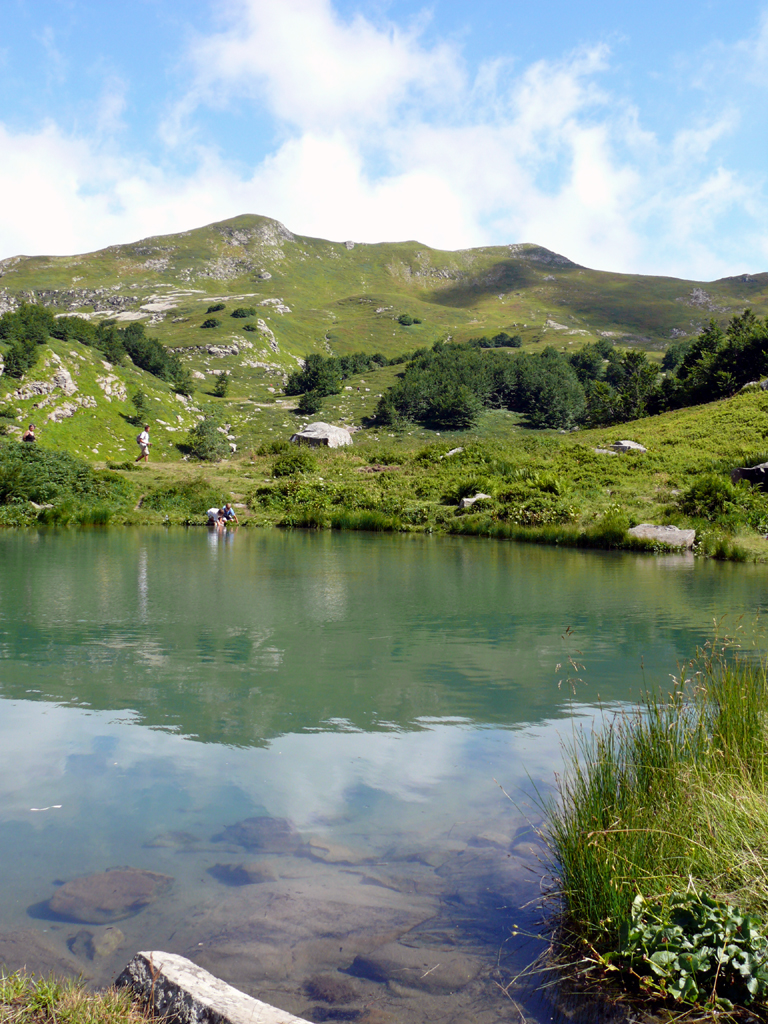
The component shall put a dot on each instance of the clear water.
(399, 699)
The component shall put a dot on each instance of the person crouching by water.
(143, 442)
(216, 517)
(29, 435)
(229, 514)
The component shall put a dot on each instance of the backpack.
(139, 439)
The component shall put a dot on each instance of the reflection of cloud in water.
(445, 772)
(326, 592)
(142, 586)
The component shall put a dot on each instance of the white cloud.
(384, 138)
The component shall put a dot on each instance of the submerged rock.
(333, 853)
(250, 873)
(89, 945)
(108, 896)
(432, 970)
(271, 835)
(29, 950)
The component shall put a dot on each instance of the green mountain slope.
(309, 294)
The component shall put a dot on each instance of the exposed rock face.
(322, 434)
(627, 446)
(670, 535)
(108, 896)
(270, 835)
(467, 502)
(180, 992)
(757, 475)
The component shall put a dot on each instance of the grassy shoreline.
(659, 832)
(27, 999)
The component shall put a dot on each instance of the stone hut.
(319, 434)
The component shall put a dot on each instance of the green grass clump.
(667, 799)
(25, 999)
(189, 498)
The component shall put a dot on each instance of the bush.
(243, 311)
(297, 459)
(250, 327)
(310, 403)
(29, 472)
(405, 319)
(216, 307)
(221, 387)
(211, 322)
(205, 442)
(193, 497)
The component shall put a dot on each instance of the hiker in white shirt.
(143, 442)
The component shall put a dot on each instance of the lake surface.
(398, 700)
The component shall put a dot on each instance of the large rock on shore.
(108, 896)
(670, 535)
(322, 434)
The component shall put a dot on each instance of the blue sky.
(628, 137)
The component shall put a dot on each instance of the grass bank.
(660, 837)
(25, 999)
(539, 486)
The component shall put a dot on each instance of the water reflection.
(380, 694)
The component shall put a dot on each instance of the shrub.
(221, 387)
(250, 327)
(192, 497)
(211, 322)
(297, 459)
(205, 442)
(216, 307)
(310, 403)
(243, 311)
(405, 319)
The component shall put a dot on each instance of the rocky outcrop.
(622, 447)
(669, 535)
(318, 435)
(468, 502)
(180, 992)
(757, 475)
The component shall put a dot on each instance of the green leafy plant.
(697, 949)
(216, 307)
(296, 459)
(211, 322)
(205, 441)
(243, 311)
(310, 403)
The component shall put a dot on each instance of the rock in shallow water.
(108, 896)
(433, 970)
(251, 873)
(271, 835)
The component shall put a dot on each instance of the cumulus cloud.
(381, 136)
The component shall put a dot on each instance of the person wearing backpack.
(143, 442)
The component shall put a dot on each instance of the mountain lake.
(314, 762)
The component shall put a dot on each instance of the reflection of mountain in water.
(272, 632)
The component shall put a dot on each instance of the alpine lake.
(314, 763)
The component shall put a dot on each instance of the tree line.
(449, 385)
(30, 326)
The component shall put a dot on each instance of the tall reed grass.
(671, 796)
